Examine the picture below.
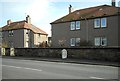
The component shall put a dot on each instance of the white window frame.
(95, 23)
(105, 41)
(72, 42)
(77, 25)
(77, 41)
(97, 41)
(105, 21)
(72, 26)
(10, 33)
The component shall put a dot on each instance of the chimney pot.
(28, 19)
(70, 9)
(9, 22)
(113, 3)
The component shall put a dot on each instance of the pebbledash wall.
(102, 54)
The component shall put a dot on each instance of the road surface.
(29, 69)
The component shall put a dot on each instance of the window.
(100, 41)
(72, 26)
(100, 23)
(97, 23)
(103, 41)
(97, 41)
(77, 41)
(27, 31)
(11, 44)
(72, 41)
(11, 33)
(77, 24)
(103, 22)
(39, 35)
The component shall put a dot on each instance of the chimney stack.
(28, 19)
(9, 22)
(70, 9)
(113, 3)
(119, 4)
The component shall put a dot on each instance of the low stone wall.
(103, 54)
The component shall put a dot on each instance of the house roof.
(23, 25)
(88, 13)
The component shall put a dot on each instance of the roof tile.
(23, 25)
(92, 12)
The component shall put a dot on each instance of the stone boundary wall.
(103, 54)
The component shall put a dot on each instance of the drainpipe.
(86, 29)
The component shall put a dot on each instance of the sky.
(42, 12)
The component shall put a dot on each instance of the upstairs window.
(72, 26)
(103, 22)
(39, 35)
(77, 24)
(97, 23)
(11, 33)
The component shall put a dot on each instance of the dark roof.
(23, 25)
(87, 13)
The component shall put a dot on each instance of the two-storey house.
(23, 34)
(95, 26)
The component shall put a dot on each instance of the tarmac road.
(29, 69)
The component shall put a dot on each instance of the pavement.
(77, 61)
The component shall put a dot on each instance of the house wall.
(110, 32)
(39, 38)
(43, 38)
(17, 38)
(119, 30)
(20, 38)
(31, 39)
(0, 39)
(62, 32)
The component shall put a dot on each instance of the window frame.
(95, 23)
(10, 33)
(77, 42)
(103, 26)
(72, 25)
(72, 42)
(105, 40)
(77, 25)
(96, 41)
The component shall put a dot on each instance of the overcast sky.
(42, 12)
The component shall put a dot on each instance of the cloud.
(38, 10)
(57, 0)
